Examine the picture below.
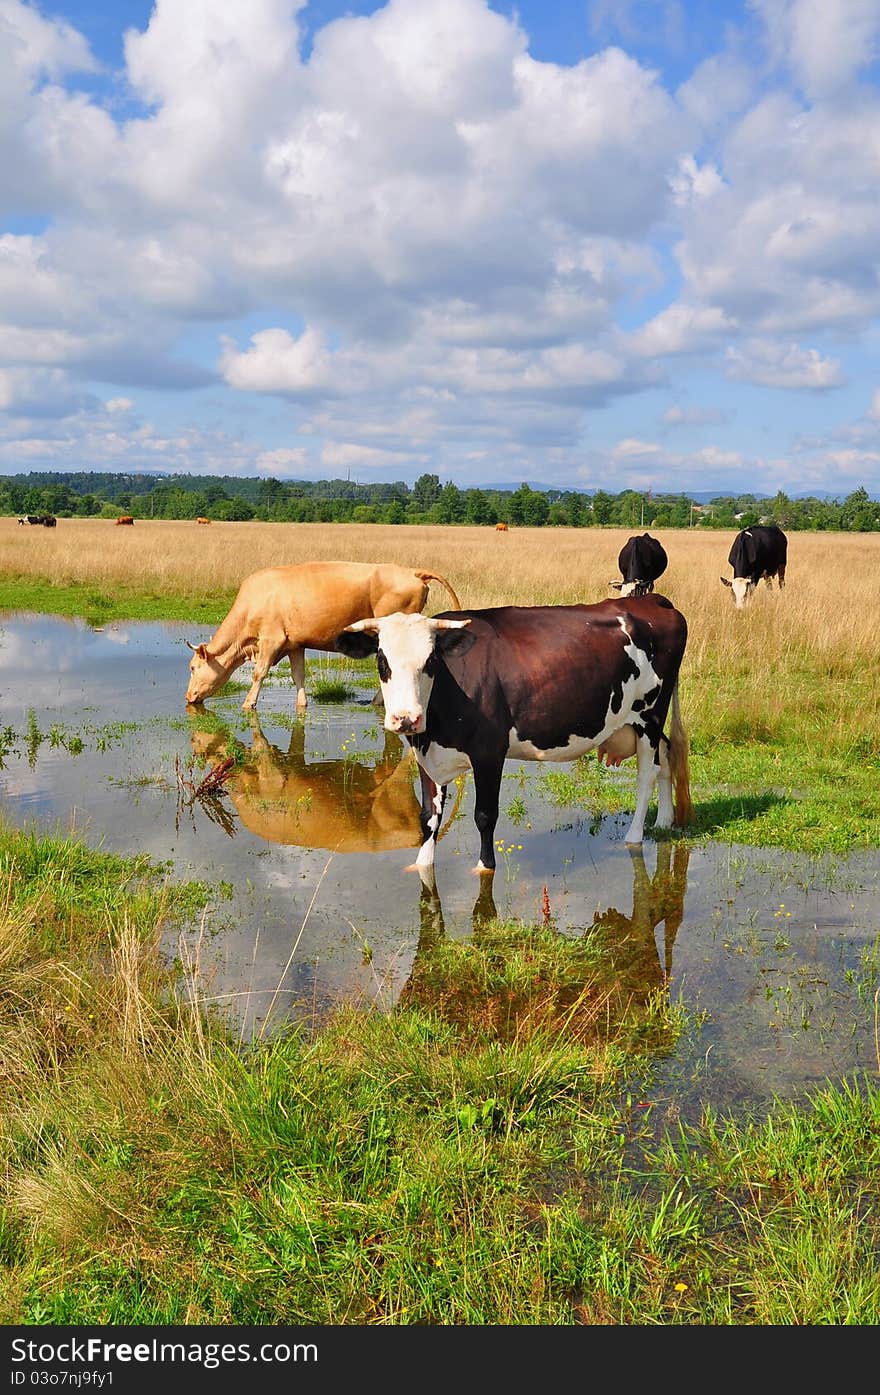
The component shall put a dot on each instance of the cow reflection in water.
(343, 806)
(614, 963)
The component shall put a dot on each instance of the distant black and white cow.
(47, 520)
(470, 689)
(757, 553)
(641, 560)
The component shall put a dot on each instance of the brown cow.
(203, 520)
(501, 528)
(124, 518)
(340, 805)
(285, 610)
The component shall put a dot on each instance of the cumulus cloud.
(826, 45)
(450, 248)
(768, 364)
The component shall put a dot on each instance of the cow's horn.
(370, 626)
(193, 647)
(451, 624)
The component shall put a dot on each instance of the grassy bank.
(433, 1165)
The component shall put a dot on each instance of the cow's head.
(741, 589)
(408, 650)
(206, 674)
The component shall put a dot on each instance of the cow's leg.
(433, 800)
(646, 759)
(780, 576)
(298, 674)
(665, 810)
(487, 787)
(266, 656)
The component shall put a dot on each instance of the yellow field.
(822, 629)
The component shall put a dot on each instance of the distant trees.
(85, 495)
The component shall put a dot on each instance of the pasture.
(777, 698)
(538, 1127)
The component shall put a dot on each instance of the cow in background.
(757, 553)
(472, 689)
(642, 559)
(501, 528)
(47, 520)
(203, 520)
(124, 518)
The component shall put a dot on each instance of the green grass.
(474, 1157)
(22, 593)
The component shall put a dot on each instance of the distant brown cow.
(286, 610)
(501, 528)
(203, 520)
(124, 518)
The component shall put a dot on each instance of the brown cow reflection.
(345, 806)
(614, 963)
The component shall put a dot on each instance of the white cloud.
(768, 364)
(683, 329)
(276, 362)
(630, 448)
(692, 416)
(827, 45)
(481, 251)
(693, 182)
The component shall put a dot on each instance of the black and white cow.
(642, 559)
(47, 520)
(470, 689)
(757, 553)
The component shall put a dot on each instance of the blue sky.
(626, 243)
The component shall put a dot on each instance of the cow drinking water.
(471, 689)
(757, 553)
(285, 610)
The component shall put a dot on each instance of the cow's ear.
(357, 644)
(724, 581)
(455, 641)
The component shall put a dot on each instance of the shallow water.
(307, 845)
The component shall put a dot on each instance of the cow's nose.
(406, 723)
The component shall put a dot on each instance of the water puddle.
(306, 843)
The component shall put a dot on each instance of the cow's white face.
(407, 658)
(628, 587)
(206, 674)
(741, 588)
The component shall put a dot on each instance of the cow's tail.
(428, 577)
(680, 766)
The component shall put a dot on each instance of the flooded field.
(306, 845)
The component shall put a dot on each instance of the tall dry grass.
(792, 648)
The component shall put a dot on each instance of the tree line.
(230, 498)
